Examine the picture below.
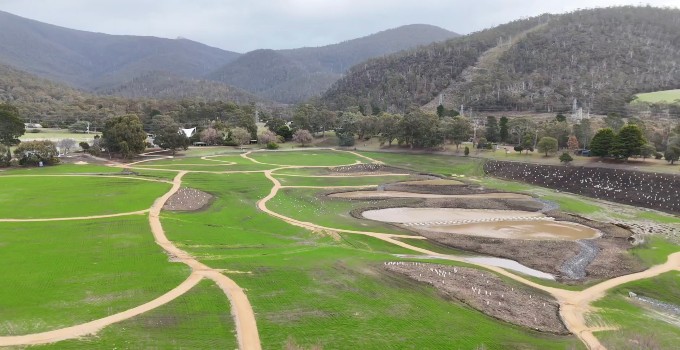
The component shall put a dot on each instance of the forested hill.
(97, 61)
(164, 85)
(599, 57)
(297, 74)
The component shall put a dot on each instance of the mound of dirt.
(188, 199)
(484, 291)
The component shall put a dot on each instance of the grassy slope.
(200, 319)
(52, 197)
(308, 157)
(639, 328)
(310, 205)
(659, 96)
(62, 169)
(431, 163)
(63, 273)
(318, 291)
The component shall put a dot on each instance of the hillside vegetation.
(600, 58)
(99, 61)
(297, 74)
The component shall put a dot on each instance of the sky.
(245, 25)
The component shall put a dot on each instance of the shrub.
(467, 151)
(84, 145)
(658, 155)
(345, 139)
(518, 148)
(33, 152)
(34, 131)
(272, 145)
(566, 158)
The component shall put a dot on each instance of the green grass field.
(59, 274)
(56, 135)
(199, 319)
(314, 290)
(64, 196)
(216, 164)
(306, 288)
(307, 158)
(431, 163)
(667, 96)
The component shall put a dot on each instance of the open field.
(318, 290)
(200, 319)
(659, 96)
(57, 135)
(313, 272)
(59, 274)
(307, 158)
(28, 197)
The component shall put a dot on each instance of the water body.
(434, 215)
(491, 261)
(510, 265)
(531, 230)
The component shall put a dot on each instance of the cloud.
(246, 25)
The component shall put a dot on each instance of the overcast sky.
(244, 25)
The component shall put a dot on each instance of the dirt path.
(574, 305)
(91, 175)
(242, 311)
(139, 212)
(95, 326)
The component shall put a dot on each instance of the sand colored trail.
(113, 176)
(242, 312)
(95, 326)
(138, 212)
(244, 317)
(574, 305)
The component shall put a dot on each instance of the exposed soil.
(188, 199)
(486, 292)
(425, 187)
(356, 169)
(641, 189)
(560, 258)
(399, 194)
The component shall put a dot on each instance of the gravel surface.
(188, 199)
(575, 267)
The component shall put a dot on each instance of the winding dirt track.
(574, 305)
(95, 326)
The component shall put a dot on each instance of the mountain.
(163, 85)
(297, 74)
(95, 61)
(599, 58)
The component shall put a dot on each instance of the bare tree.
(303, 137)
(66, 145)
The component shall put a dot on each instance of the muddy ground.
(611, 258)
(484, 291)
